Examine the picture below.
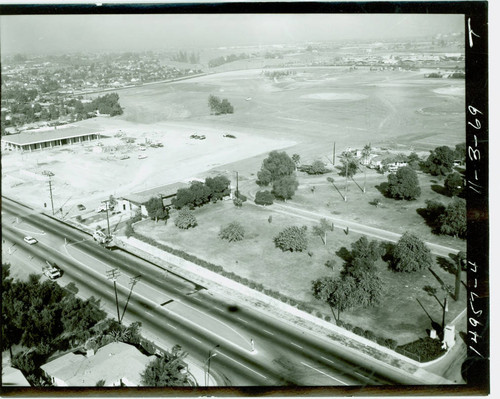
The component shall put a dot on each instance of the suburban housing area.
(256, 215)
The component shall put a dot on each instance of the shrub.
(292, 239)
(391, 343)
(358, 331)
(348, 326)
(232, 232)
(328, 318)
(240, 196)
(370, 335)
(237, 202)
(264, 198)
(185, 219)
(425, 349)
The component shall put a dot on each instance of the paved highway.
(173, 308)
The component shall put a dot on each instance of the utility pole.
(237, 192)
(210, 355)
(364, 185)
(113, 275)
(133, 281)
(50, 174)
(334, 153)
(107, 214)
(346, 174)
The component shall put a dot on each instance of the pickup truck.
(100, 237)
(51, 271)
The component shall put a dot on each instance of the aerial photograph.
(211, 201)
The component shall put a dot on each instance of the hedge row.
(389, 343)
(423, 350)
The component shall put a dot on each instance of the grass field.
(399, 316)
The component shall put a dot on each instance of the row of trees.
(218, 106)
(215, 62)
(200, 193)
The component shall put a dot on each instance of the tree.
(185, 219)
(296, 160)
(112, 202)
(219, 187)
(411, 254)
(366, 152)
(285, 187)
(166, 371)
(340, 293)
(454, 219)
(156, 209)
(218, 107)
(404, 184)
(232, 232)
(264, 198)
(440, 161)
(278, 164)
(264, 177)
(316, 168)
(454, 184)
(321, 229)
(413, 160)
(460, 152)
(292, 239)
(349, 166)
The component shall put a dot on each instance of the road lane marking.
(244, 321)
(196, 339)
(328, 360)
(170, 325)
(197, 299)
(269, 332)
(241, 364)
(361, 375)
(298, 346)
(327, 375)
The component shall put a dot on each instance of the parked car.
(81, 207)
(30, 240)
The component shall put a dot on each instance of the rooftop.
(41, 136)
(165, 191)
(112, 363)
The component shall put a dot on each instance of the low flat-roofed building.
(39, 140)
(133, 202)
(117, 364)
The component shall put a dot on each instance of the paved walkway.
(285, 312)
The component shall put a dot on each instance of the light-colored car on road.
(30, 240)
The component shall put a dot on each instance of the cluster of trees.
(278, 169)
(358, 283)
(107, 104)
(403, 184)
(350, 165)
(413, 161)
(449, 220)
(183, 56)
(441, 159)
(278, 74)
(218, 106)
(167, 370)
(316, 168)
(213, 189)
(44, 318)
(215, 62)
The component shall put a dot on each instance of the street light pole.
(210, 355)
(107, 214)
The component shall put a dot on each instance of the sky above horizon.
(36, 34)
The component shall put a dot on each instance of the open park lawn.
(399, 316)
(393, 215)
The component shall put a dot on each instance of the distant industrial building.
(42, 139)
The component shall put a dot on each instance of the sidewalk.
(255, 299)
